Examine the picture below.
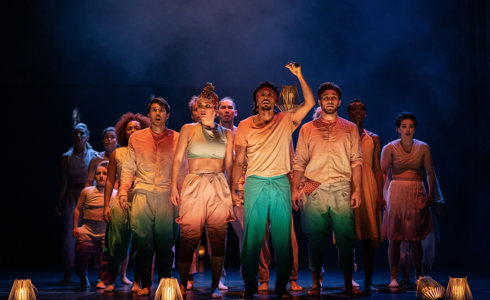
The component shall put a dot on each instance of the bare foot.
(264, 287)
(352, 292)
(216, 294)
(144, 291)
(190, 285)
(284, 295)
(221, 285)
(315, 291)
(100, 285)
(294, 286)
(125, 280)
(109, 288)
(136, 287)
(355, 284)
(394, 283)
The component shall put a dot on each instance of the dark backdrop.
(110, 57)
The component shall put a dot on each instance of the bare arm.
(91, 173)
(63, 185)
(356, 186)
(386, 160)
(301, 160)
(378, 174)
(236, 173)
(176, 164)
(295, 196)
(76, 213)
(429, 170)
(109, 186)
(303, 109)
(127, 174)
(229, 155)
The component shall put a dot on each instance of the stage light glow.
(22, 289)
(288, 99)
(168, 289)
(429, 289)
(458, 289)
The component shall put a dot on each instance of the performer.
(205, 198)
(328, 155)
(195, 257)
(265, 256)
(193, 108)
(429, 243)
(264, 139)
(90, 236)
(407, 216)
(118, 235)
(148, 161)
(368, 215)
(74, 165)
(109, 141)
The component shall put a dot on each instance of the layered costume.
(267, 196)
(205, 198)
(75, 167)
(407, 216)
(326, 154)
(90, 241)
(118, 234)
(149, 162)
(367, 217)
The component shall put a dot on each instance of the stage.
(46, 282)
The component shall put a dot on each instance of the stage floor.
(46, 282)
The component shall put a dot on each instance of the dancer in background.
(90, 236)
(118, 235)
(368, 216)
(74, 165)
(407, 216)
(205, 199)
(109, 141)
(430, 241)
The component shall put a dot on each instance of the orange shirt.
(267, 148)
(328, 153)
(149, 161)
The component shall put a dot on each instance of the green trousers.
(154, 231)
(117, 236)
(329, 205)
(267, 198)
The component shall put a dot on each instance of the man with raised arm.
(264, 139)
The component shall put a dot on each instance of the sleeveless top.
(203, 143)
(367, 149)
(411, 163)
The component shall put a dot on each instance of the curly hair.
(123, 123)
(208, 93)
